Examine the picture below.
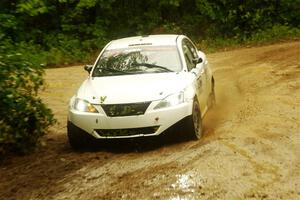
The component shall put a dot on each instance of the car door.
(207, 73)
(191, 55)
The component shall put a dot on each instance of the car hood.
(132, 88)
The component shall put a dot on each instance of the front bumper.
(154, 121)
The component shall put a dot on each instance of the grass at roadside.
(262, 37)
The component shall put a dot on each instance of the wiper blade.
(148, 65)
(114, 70)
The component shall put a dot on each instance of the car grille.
(117, 110)
(127, 132)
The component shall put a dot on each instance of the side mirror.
(202, 56)
(197, 60)
(88, 68)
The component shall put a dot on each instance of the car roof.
(148, 40)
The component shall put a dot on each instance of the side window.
(190, 53)
(194, 51)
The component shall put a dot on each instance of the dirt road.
(250, 149)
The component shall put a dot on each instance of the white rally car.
(140, 86)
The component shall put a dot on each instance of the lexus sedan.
(141, 86)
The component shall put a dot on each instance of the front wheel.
(194, 122)
(78, 139)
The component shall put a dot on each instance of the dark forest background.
(57, 32)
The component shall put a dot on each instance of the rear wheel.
(194, 122)
(78, 139)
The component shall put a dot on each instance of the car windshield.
(137, 60)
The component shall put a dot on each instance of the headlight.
(171, 100)
(84, 106)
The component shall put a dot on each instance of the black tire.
(78, 138)
(194, 122)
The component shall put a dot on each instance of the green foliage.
(24, 118)
(69, 31)
(32, 7)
